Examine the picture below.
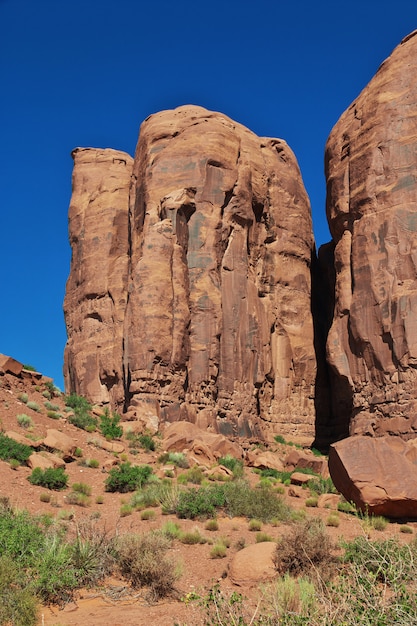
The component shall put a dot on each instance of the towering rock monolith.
(189, 297)
(371, 169)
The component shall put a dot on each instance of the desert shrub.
(406, 529)
(142, 560)
(53, 390)
(378, 522)
(194, 475)
(19, 605)
(47, 394)
(21, 536)
(126, 509)
(212, 524)
(279, 439)
(191, 537)
(93, 463)
(23, 397)
(127, 477)
(320, 485)
(255, 525)
(51, 407)
(176, 458)
(30, 368)
(81, 418)
(260, 503)
(25, 421)
(33, 405)
(333, 520)
(109, 425)
(312, 502)
(218, 551)
(262, 536)
(291, 602)
(82, 488)
(10, 449)
(269, 472)
(53, 415)
(171, 529)
(233, 464)
(147, 442)
(51, 478)
(78, 499)
(306, 549)
(346, 507)
(201, 502)
(147, 514)
(45, 497)
(100, 499)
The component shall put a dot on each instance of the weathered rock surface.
(377, 474)
(202, 446)
(96, 292)
(189, 295)
(371, 169)
(253, 564)
(56, 440)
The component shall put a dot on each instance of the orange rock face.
(371, 168)
(189, 293)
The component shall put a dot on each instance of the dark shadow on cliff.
(333, 394)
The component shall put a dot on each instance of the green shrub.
(10, 449)
(81, 418)
(125, 510)
(109, 426)
(33, 405)
(378, 522)
(191, 537)
(82, 488)
(46, 394)
(30, 368)
(406, 529)
(51, 478)
(212, 524)
(260, 502)
(233, 464)
(51, 407)
(255, 525)
(333, 520)
(45, 497)
(53, 415)
(175, 458)
(127, 477)
(218, 551)
(321, 485)
(23, 397)
(280, 439)
(25, 421)
(92, 463)
(147, 442)
(19, 605)
(171, 529)
(99, 499)
(261, 537)
(78, 499)
(312, 502)
(200, 502)
(148, 514)
(346, 507)
(142, 560)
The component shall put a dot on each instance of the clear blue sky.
(88, 72)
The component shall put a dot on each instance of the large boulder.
(378, 474)
(253, 564)
(371, 170)
(204, 447)
(189, 295)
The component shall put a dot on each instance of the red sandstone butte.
(371, 169)
(189, 291)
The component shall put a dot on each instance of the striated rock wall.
(189, 296)
(96, 294)
(371, 169)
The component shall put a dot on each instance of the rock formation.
(377, 474)
(371, 169)
(189, 290)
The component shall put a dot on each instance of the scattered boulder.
(378, 474)
(328, 501)
(184, 436)
(109, 446)
(10, 365)
(253, 564)
(298, 478)
(304, 459)
(23, 440)
(56, 440)
(263, 459)
(45, 460)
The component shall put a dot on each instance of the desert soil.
(115, 603)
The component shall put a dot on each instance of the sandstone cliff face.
(371, 169)
(189, 297)
(96, 296)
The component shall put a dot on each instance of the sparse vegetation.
(23, 397)
(109, 425)
(11, 449)
(51, 478)
(24, 421)
(127, 477)
(175, 458)
(33, 405)
(143, 561)
(81, 417)
(233, 464)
